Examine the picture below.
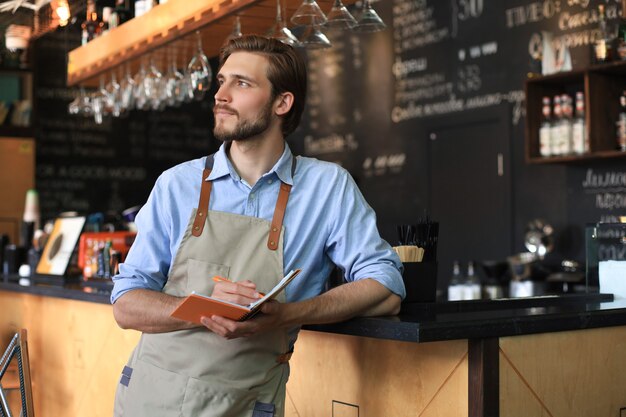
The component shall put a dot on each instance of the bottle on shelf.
(471, 287)
(621, 123)
(545, 147)
(565, 136)
(621, 33)
(142, 6)
(92, 26)
(106, 19)
(602, 48)
(122, 13)
(580, 138)
(455, 287)
(555, 127)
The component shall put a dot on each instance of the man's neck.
(254, 157)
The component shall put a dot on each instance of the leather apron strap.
(205, 195)
(279, 210)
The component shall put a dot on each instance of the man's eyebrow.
(239, 77)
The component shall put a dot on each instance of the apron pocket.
(210, 399)
(200, 275)
(153, 391)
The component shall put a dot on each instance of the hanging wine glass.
(172, 80)
(369, 21)
(127, 87)
(98, 102)
(199, 71)
(74, 107)
(139, 92)
(84, 105)
(185, 90)
(236, 32)
(309, 13)
(339, 17)
(113, 101)
(313, 38)
(151, 83)
(280, 31)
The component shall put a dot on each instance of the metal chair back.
(18, 348)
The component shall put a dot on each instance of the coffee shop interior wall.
(419, 114)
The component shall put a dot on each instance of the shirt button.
(252, 196)
(270, 181)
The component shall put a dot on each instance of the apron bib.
(195, 372)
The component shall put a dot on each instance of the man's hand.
(269, 319)
(242, 292)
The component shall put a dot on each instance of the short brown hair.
(286, 73)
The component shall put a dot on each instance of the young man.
(251, 213)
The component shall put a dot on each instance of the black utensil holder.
(420, 281)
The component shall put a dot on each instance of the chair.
(17, 347)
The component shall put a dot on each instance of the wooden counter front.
(77, 352)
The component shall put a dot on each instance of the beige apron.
(195, 372)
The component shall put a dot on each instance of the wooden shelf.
(577, 158)
(16, 132)
(602, 85)
(174, 24)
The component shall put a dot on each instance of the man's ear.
(283, 103)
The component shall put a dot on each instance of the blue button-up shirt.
(327, 221)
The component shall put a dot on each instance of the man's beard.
(245, 129)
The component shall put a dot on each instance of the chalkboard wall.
(391, 107)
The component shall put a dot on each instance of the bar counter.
(552, 355)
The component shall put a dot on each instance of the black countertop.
(437, 321)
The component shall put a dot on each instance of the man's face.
(243, 103)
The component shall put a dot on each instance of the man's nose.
(222, 94)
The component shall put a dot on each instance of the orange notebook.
(195, 306)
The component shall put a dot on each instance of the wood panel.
(379, 377)
(580, 373)
(76, 352)
(17, 175)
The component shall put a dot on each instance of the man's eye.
(244, 84)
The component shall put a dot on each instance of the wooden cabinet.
(602, 86)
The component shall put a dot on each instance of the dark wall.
(387, 106)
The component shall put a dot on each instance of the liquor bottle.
(471, 288)
(106, 18)
(621, 33)
(141, 7)
(602, 46)
(565, 144)
(545, 147)
(455, 287)
(621, 123)
(30, 220)
(92, 26)
(555, 127)
(121, 14)
(580, 139)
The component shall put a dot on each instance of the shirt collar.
(222, 166)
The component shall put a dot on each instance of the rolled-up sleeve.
(149, 258)
(354, 243)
